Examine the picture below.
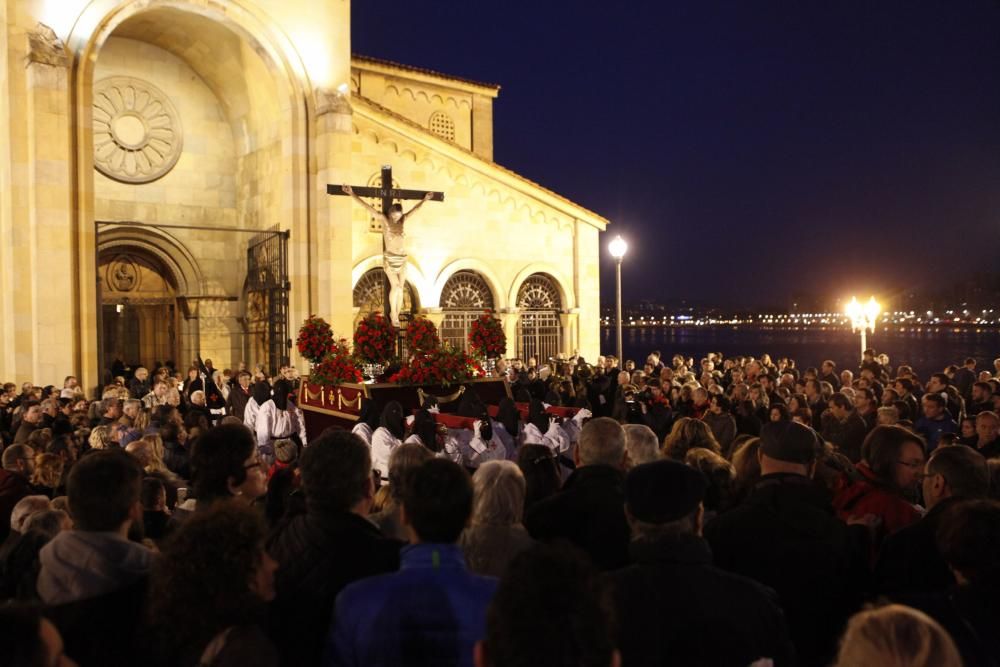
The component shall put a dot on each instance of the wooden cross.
(386, 193)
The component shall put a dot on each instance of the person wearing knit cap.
(786, 536)
(673, 606)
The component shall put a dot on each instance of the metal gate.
(538, 335)
(267, 300)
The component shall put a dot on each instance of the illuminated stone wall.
(268, 110)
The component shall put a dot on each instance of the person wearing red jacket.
(890, 470)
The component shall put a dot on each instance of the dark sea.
(928, 350)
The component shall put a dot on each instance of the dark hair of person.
(937, 399)
(881, 449)
(842, 401)
(510, 417)
(438, 501)
(719, 476)
(20, 636)
(522, 395)
(964, 469)
(201, 583)
(783, 412)
(405, 460)
(906, 383)
(425, 428)
(163, 414)
(218, 457)
(903, 408)
(392, 420)
(336, 471)
(169, 432)
(967, 538)
(542, 584)
(541, 473)
(723, 402)
(102, 488)
(152, 487)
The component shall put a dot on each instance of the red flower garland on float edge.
(315, 339)
(375, 339)
(487, 338)
(336, 367)
(421, 336)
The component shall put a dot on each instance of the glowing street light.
(618, 247)
(863, 318)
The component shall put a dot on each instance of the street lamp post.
(618, 247)
(863, 318)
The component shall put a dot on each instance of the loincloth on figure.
(393, 262)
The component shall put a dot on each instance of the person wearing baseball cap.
(785, 535)
(673, 605)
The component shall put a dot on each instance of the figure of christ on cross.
(392, 218)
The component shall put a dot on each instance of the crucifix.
(392, 218)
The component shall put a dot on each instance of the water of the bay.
(928, 351)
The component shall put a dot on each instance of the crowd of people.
(737, 511)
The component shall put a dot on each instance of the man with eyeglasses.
(910, 561)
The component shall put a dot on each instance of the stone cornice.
(45, 48)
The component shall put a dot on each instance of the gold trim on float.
(332, 413)
(421, 394)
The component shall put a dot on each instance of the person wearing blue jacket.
(431, 612)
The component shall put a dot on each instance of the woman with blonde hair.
(47, 475)
(100, 438)
(686, 434)
(495, 533)
(896, 636)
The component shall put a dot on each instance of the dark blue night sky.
(758, 149)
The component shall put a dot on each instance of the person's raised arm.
(348, 190)
(427, 197)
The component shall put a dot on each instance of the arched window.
(369, 294)
(465, 297)
(539, 330)
(442, 125)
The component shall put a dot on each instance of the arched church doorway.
(369, 296)
(464, 298)
(539, 330)
(139, 310)
(194, 136)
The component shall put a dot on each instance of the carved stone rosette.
(137, 131)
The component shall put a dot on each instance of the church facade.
(164, 166)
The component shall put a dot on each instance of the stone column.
(333, 234)
(435, 315)
(509, 318)
(569, 321)
(10, 104)
(55, 345)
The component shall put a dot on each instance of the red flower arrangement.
(443, 366)
(336, 367)
(487, 338)
(375, 339)
(421, 336)
(315, 339)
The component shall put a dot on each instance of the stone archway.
(140, 313)
(222, 95)
(464, 298)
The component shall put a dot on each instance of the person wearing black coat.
(589, 510)
(910, 561)
(328, 547)
(786, 536)
(673, 606)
